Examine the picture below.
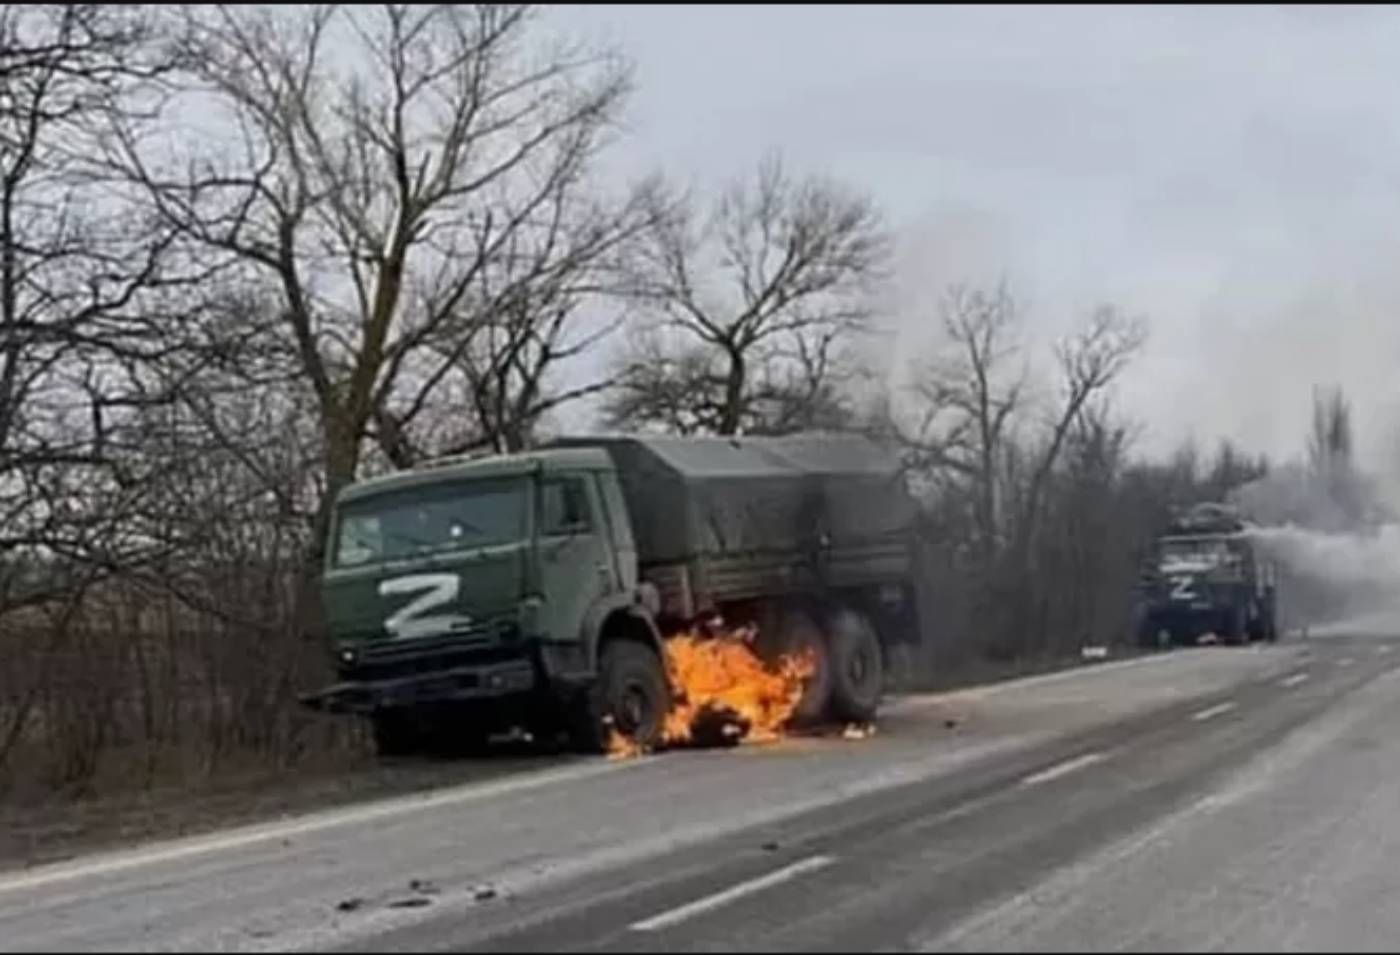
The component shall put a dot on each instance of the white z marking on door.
(1181, 588)
(409, 621)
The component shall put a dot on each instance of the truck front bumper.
(458, 684)
(1185, 620)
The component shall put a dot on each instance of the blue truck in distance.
(1204, 575)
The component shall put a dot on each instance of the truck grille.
(385, 659)
(385, 651)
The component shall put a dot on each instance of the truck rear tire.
(396, 733)
(1237, 627)
(857, 667)
(631, 695)
(800, 634)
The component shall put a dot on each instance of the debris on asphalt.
(770, 847)
(349, 905)
(858, 731)
(484, 894)
(414, 902)
(423, 887)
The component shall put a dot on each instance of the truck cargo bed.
(719, 519)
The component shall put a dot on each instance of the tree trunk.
(732, 414)
(342, 461)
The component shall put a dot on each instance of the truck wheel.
(1149, 635)
(1270, 627)
(395, 733)
(631, 695)
(801, 634)
(857, 671)
(1236, 624)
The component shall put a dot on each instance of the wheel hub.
(633, 709)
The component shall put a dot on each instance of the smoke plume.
(1336, 543)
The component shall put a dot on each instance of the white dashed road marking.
(1063, 769)
(711, 902)
(1212, 712)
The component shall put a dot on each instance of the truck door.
(576, 561)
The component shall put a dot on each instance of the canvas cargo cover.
(693, 498)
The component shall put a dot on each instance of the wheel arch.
(619, 619)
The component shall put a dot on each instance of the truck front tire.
(800, 634)
(396, 733)
(631, 695)
(857, 667)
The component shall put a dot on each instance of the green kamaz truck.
(1205, 576)
(535, 590)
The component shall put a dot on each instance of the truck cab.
(470, 593)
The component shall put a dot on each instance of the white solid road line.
(1345, 662)
(1212, 712)
(1293, 680)
(314, 822)
(1063, 769)
(711, 902)
(916, 701)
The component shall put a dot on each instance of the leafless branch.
(781, 269)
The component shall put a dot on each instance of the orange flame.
(622, 747)
(721, 687)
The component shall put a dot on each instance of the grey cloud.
(1232, 172)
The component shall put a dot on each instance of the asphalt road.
(1213, 798)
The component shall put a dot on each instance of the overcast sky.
(1231, 173)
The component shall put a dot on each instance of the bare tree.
(81, 278)
(1330, 458)
(747, 310)
(995, 480)
(1089, 360)
(1230, 469)
(1330, 434)
(552, 293)
(84, 311)
(1090, 540)
(389, 159)
(968, 397)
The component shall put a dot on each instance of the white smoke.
(1337, 581)
(1337, 547)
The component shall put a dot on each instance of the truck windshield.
(1200, 554)
(427, 520)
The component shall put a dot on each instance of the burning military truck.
(578, 587)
